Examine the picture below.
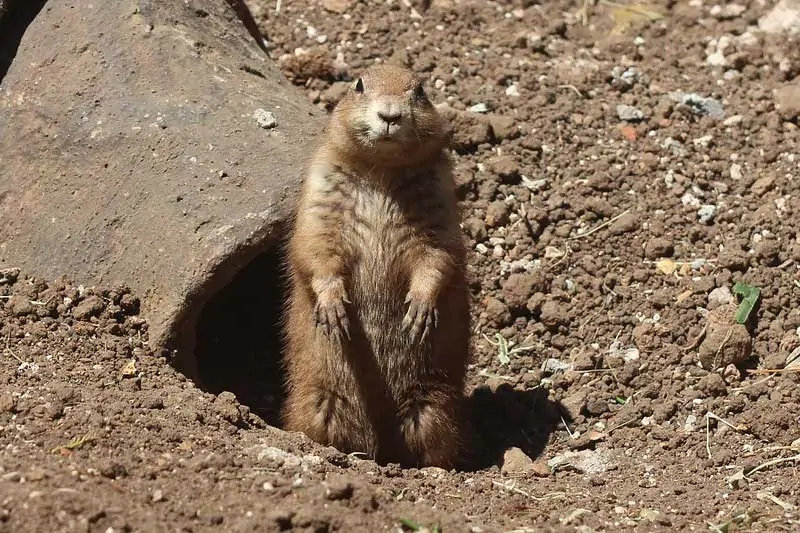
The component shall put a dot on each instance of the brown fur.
(377, 324)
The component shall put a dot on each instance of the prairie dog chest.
(375, 207)
(377, 221)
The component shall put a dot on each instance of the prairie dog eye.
(419, 92)
(359, 86)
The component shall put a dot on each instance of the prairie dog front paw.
(330, 313)
(421, 317)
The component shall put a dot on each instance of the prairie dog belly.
(379, 238)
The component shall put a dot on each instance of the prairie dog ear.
(358, 85)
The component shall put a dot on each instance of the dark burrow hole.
(13, 23)
(238, 337)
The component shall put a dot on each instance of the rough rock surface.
(131, 152)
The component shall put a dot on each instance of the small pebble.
(337, 6)
(575, 403)
(719, 297)
(704, 141)
(265, 119)
(21, 306)
(712, 385)
(706, 213)
(8, 404)
(726, 341)
(629, 113)
(515, 461)
(736, 171)
(12, 477)
(699, 105)
(553, 314)
(625, 224)
(551, 366)
(590, 462)
(91, 306)
(732, 375)
(727, 11)
(716, 59)
(733, 120)
(540, 469)
(658, 247)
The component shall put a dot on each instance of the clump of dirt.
(306, 66)
(617, 179)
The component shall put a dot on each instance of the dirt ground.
(618, 177)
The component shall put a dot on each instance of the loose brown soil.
(601, 236)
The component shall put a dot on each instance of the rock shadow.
(13, 24)
(239, 337)
(504, 418)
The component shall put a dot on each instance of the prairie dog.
(377, 323)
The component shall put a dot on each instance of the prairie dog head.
(386, 116)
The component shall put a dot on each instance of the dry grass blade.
(709, 416)
(625, 15)
(601, 226)
(743, 473)
(621, 425)
(697, 341)
(583, 12)
(767, 495)
(793, 359)
(773, 462)
(760, 371)
(511, 487)
(413, 12)
(573, 89)
(566, 426)
(10, 352)
(504, 352)
(725, 527)
(740, 427)
(73, 444)
(643, 10)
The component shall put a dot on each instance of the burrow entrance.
(238, 337)
(238, 348)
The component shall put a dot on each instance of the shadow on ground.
(506, 418)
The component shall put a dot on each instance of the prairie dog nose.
(390, 113)
(389, 117)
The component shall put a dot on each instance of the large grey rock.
(130, 152)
